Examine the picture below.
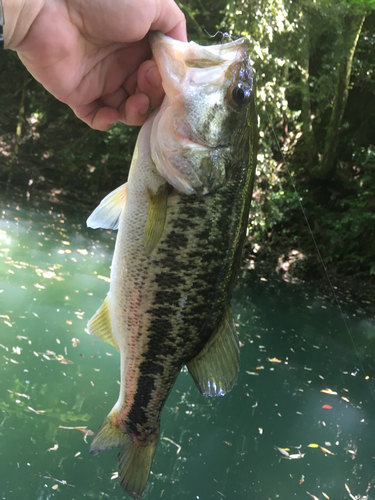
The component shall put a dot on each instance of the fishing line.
(225, 37)
(322, 261)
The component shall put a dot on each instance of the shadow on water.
(299, 421)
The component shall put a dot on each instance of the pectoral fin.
(100, 323)
(157, 211)
(107, 214)
(215, 368)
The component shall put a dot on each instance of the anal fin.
(215, 368)
(100, 323)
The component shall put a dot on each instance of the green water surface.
(55, 377)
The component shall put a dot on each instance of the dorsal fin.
(215, 368)
(107, 213)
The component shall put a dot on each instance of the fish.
(182, 218)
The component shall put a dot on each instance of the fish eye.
(239, 95)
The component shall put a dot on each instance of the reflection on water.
(299, 421)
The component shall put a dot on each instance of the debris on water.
(84, 430)
(329, 391)
(178, 446)
(288, 456)
(38, 412)
(54, 448)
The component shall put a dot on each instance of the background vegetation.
(314, 62)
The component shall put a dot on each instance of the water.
(300, 384)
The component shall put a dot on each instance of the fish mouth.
(201, 65)
(197, 56)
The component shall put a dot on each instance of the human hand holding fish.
(94, 54)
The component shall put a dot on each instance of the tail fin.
(135, 458)
(134, 465)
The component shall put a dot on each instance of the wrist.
(18, 18)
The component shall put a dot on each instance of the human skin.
(94, 54)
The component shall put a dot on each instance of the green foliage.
(316, 103)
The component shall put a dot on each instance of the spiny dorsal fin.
(157, 211)
(107, 214)
(215, 368)
(100, 323)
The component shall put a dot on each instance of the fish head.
(209, 96)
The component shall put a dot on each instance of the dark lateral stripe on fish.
(201, 309)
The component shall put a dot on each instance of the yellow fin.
(134, 465)
(107, 214)
(157, 211)
(108, 436)
(100, 323)
(135, 458)
(215, 368)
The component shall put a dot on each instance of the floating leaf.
(54, 448)
(63, 360)
(283, 451)
(350, 493)
(36, 411)
(312, 496)
(325, 450)
(104, 278)
(41, 287)
(178, 446)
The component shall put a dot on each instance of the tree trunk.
(307, 130)
(21, 115)
(352, 27)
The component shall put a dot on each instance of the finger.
(135, 110)
(150, 83)
(170, 20)
(104, 118)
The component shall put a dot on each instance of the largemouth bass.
(181, 220)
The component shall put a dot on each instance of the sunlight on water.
(299, 421)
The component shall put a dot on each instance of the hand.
(94, 54)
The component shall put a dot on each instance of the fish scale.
(181, 230)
